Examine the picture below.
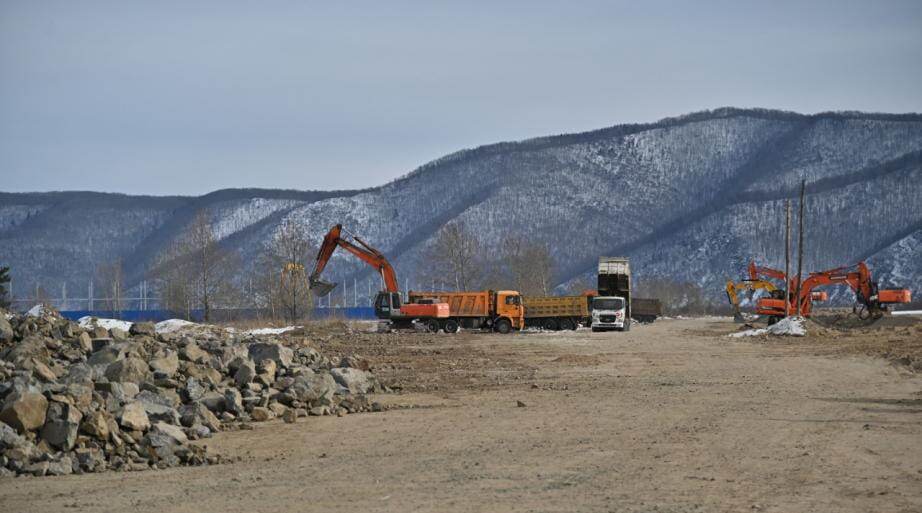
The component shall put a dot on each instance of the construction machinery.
(499, 310)
(749, 286)
(388, 305)
(870, 301)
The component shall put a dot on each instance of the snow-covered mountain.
(689, 199)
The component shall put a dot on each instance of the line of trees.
(457, 256)
(195, 272)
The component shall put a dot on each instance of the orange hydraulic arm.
(359, 248)
(755, 272)
(858, 277)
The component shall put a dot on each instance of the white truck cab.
(609, 313)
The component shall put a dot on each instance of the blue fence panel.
(349, 313)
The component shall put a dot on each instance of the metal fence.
(219, 315)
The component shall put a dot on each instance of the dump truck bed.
(460, 304)
(555, 306)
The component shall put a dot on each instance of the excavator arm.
(360, 249)
(750, 285)
(858, 277)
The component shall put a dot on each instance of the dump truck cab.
(509, 306)
(609, 313)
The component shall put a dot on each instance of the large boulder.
(84, 342)
(96, 424)
(133, 417)
(246, 373)
(61, 425)
(270, 351)
(105, 354)
(30, 347)
(166, 365)
(174, 432)
(130, 370)
(197, 413)
(355, 380)
(233, 401)
(159, 408)
(143, 328)
(6, 331)
(310, 387)
(14, 446)
(26, 412)
(193, 353)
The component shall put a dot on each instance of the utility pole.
(800, 248)
(787, 258)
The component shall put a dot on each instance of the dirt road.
(671, 417)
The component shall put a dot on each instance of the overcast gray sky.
(188, 97)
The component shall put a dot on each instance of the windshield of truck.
(608, 303)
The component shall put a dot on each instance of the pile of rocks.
(88, 399)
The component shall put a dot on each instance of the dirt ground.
(669, 417)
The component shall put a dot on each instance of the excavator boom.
(359, 248)
(751, 285)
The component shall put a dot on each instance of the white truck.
(609, 313)
(611, 309)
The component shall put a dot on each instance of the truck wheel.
(450, 326)
(550, 324)
(432, 326)
(503, 326)
(567, 324)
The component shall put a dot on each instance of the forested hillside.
(689, 199)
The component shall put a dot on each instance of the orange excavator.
(870, 301)
(388, 305)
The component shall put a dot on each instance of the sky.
(189, 97)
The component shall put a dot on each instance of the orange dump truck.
(499, 310)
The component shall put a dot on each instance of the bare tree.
(288, 256)
(196, 272)
(529, 265)
(110, 278)
(455, 256)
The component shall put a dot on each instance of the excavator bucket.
(321, 288)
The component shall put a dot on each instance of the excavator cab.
(387, 304)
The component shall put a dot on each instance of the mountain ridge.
(623, 189)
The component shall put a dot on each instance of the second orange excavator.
(388, 305)
(870, 301)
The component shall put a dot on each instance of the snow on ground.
(90, 322)
(37, 311)
(792, 326)
(171, 325)
(271, 331)
(907, 312)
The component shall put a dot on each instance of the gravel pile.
(89, 398)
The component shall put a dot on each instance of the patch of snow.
(907, 312)
(91, 322)
(790, 326)
(171, 325)
(36, 311)
(271, 331)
